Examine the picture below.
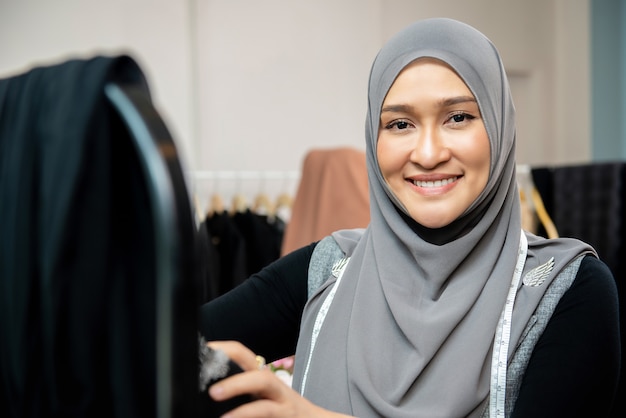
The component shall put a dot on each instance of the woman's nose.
(430, 150)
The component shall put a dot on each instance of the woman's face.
(433, 148)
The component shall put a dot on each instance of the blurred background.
(248, 87)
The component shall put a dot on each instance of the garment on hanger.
(244, 239)
(229, 245)
(588, 201)
(262, 236)
(332, 195)
(209, 268)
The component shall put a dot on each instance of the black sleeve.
(263, 312)
(574, 368)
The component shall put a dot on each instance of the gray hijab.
(412, 324)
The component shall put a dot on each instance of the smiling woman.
(470, 315)
(433, 149)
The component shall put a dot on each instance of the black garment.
(230, 248)
(241, 244)
(588, 202)
(77, 256)
(262, 238)
(208, 270)
(562, 378)
(56, 177)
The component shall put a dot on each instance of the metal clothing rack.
(242, 185)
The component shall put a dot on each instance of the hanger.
(545, 219)
(284, 200)
(239, 204)
(263, 205)
(216, 205)
(532, 204)
(529, 220)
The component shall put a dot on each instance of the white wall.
(278, 77)
(252, 85)
(154, 32)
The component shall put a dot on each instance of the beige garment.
(332, 194)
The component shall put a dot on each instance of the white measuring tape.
(497, 394)
(338, 268)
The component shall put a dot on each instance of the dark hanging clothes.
(588, 202)
(262, 239)
(231, 251)
(208, 265)
(240, 244)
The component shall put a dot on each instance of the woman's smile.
(433, 185)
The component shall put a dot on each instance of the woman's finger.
(237, 352)
(260, 408)
(258, 383)
(274, 398)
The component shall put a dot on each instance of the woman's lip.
(434, 187)
(433, 181)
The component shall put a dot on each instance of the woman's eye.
(461, 117)
(399, 124)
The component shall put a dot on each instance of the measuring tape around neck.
(499, 358)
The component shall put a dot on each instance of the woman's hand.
(274, 397)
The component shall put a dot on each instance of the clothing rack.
(246, 174)
(246, 187)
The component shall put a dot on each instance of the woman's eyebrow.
(451, 101)
(399, 108)
(456, 100)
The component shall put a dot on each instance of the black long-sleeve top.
(573, 371)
